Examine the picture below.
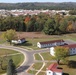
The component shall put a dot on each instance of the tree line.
(16, 23)
(38, 6)
(56, 24)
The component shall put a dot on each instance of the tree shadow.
(59, 68)
(22, 68)
(72, 64)
(65, 74)
(24, 44)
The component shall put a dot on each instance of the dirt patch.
(32, 35)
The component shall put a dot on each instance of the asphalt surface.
(29, 59)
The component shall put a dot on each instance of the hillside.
(38, 5)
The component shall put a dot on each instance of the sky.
(20, 1)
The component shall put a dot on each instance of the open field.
(34, 37)
(6, 54)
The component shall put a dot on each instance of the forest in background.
(57, 24)
(38, 5)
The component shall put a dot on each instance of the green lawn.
(37, 57)
(66, 69)
(37, 66)
(7, 51)
(32, 42)
(72, 57)
(46, 66)
(17, 59)
(32, 72)
(47, 56)
(41, 73)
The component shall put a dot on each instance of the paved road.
(29, 59)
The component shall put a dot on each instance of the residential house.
(54, 70)
(47, 44)
(19, 41)
(72, 49)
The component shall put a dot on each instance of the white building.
(72, 49)
(53, 70)
(53, 43)
(19, 41)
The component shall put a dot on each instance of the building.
(53, 43)
(72, 49)
(20, 41)
(54, 70)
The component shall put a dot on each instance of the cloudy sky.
(16, 1)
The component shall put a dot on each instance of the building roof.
(53, 67)
(70, 46)
(47, 42)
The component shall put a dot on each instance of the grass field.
(7, 51)
(32, 42)
(35, 67)
(32, 72)
(47, 56)
(17, 59)
(68, 70)
(37, 57)
(34, 37)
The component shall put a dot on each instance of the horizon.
(37, 2)
(33, 1)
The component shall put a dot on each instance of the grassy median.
(6, 54)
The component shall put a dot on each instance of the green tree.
(49, 26)
(63, 26)
(11, 69)
(61, 53)
(57, 19)
(9, 35)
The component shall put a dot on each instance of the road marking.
(42, 65)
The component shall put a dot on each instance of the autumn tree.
(70, 26)
(61, 53)
(9, 35)
(27, 19)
